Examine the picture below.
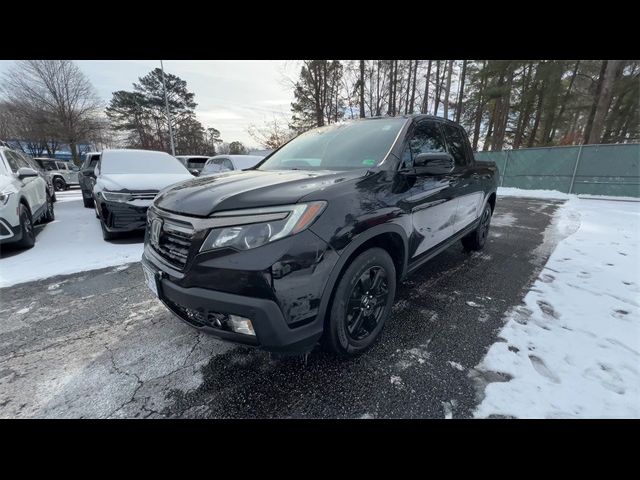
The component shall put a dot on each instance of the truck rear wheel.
(476, 239)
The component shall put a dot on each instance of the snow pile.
(573, 349)
(519, 192)
(72, 243)
(554, 194)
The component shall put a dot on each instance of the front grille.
(201, 317)
(144, 195)
(174, 246)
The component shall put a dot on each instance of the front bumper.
(9, 233)
(199, 307)
(123, 217)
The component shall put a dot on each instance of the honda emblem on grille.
(156, 228)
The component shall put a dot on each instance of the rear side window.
(426, 138)
(49, 166)
(457, 144)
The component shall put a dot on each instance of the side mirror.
(439, 163)
(25, 172)
(193, 172)
(96, 171)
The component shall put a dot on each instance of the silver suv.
(63, 174)
(24, 199)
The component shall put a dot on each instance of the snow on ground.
(573, 349)
(554, 194)
(71, 243)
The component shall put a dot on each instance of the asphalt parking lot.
(97, 344)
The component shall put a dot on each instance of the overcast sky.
(231, 94)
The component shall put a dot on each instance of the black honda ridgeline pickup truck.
(310, 244)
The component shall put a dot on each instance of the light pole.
(166, 104)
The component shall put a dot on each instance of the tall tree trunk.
(479, 110)
(436, 101)
(563, 106)
(362, 114)
(425, 100)
(461, 91)
(378, 93)
(406, 103)
(395, 87)
(604, 101)
(447, 90)
(536, 122)
(413, 87)
(390, 110)
(74, 152)
(594, 104)
(525, 108)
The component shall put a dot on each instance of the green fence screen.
(593, 169)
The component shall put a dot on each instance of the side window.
(426, 138)
(49, 166)
(457, 145)
(61, 165)
(13, 160)
(17, 159)
(226, 163)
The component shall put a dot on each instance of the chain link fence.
(612, 169)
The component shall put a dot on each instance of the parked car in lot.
(87, 177)
(24, 199)
(63, 174)
(126, 183)
(194, 163)
(45, 175)
(225, 163)
(310, 244)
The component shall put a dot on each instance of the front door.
(429, 198)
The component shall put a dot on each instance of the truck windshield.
(341, 146)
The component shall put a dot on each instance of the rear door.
(468, 187)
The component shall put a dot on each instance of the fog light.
(241, 325)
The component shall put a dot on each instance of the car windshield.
(342, 146)
(139, 162)
(196, 162)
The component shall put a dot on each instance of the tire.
(106, 234)
(476, 239)
(59, 184)
(50, 214)
(28, 239)
(88, 202)
(356, 319)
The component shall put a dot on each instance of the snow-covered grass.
(554, 194)
(573, 349)
(72, 243)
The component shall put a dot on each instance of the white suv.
(24, 199)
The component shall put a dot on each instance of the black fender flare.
(347, 253)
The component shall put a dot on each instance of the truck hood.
(141, 182)
(247, 189)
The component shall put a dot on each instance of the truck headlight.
(116, 196)
(251, 228)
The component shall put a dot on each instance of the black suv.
(310, 243)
